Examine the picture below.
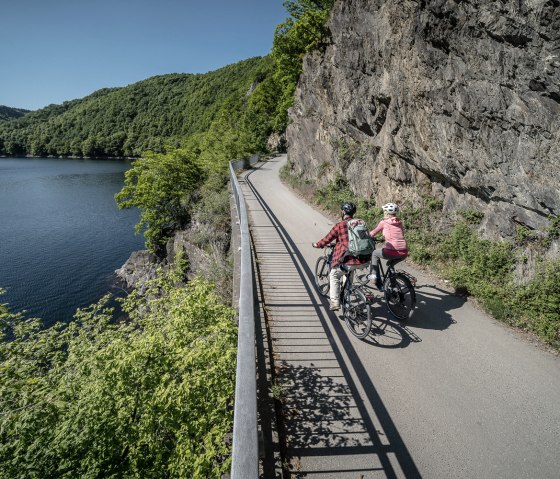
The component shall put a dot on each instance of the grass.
(277, 391)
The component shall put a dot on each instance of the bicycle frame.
(383, 275)
(356, 308)
(347, 283)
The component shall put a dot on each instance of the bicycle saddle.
(394, 261)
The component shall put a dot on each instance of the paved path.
(452, 394)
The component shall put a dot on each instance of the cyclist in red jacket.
(339, 233)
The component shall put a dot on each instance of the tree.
(162, 186)
(304, 31)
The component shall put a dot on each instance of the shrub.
(472, 217)
(147, 397)
(538, 302)
(553, 229)
(524, 235)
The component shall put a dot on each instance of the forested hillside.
(7, 113)
(153, 114)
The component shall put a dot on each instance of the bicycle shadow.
(387, 332)
(433, 311)
(433, 308)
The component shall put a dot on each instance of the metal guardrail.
(245, 453)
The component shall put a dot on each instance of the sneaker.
(334, 306)
(372, 277)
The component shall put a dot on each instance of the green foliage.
(278, 392)
(147, 397)
(479, 267)
(537, 303)
(334, 194)
(433, 204)
(288, 176)
(263, 106)
(524, 235)
(162, 187)
(553, 229)
(473, 217)
(225, 140)
(347, 150)
(304, 31)
(230, 111)
(212, 216)
(155, 114)
(7, 113)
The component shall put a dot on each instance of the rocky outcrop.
(138, 269)
(458, 99)
(276, 142)
(142, 266)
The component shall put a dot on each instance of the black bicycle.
(356, 309)
(398, 288)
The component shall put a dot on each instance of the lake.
(61, 233)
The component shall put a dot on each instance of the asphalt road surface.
(449, 394)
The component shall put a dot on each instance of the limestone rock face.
(460, 99)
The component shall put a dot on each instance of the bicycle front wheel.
(400, 296)
(322, 273)
(357, 313)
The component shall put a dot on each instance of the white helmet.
(390, 208)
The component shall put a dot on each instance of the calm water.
(61, 233)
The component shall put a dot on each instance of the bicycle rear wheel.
(400, 296)
(322, 280)
(357, 313)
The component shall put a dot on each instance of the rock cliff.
(142, 266)
(457, 99)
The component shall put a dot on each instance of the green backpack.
(360, 242)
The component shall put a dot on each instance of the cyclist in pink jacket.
(395, 245)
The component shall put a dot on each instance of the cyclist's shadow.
(433, 306)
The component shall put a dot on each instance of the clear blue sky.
(57, 50)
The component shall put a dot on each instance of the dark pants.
(380, 253)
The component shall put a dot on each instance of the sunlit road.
(450, 394)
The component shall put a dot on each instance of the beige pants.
(336, 275)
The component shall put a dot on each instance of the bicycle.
(356, 309)
(398, 289)
(397, 286)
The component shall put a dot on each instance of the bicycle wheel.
(322, 280)
(400, 296)
(357, 313)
